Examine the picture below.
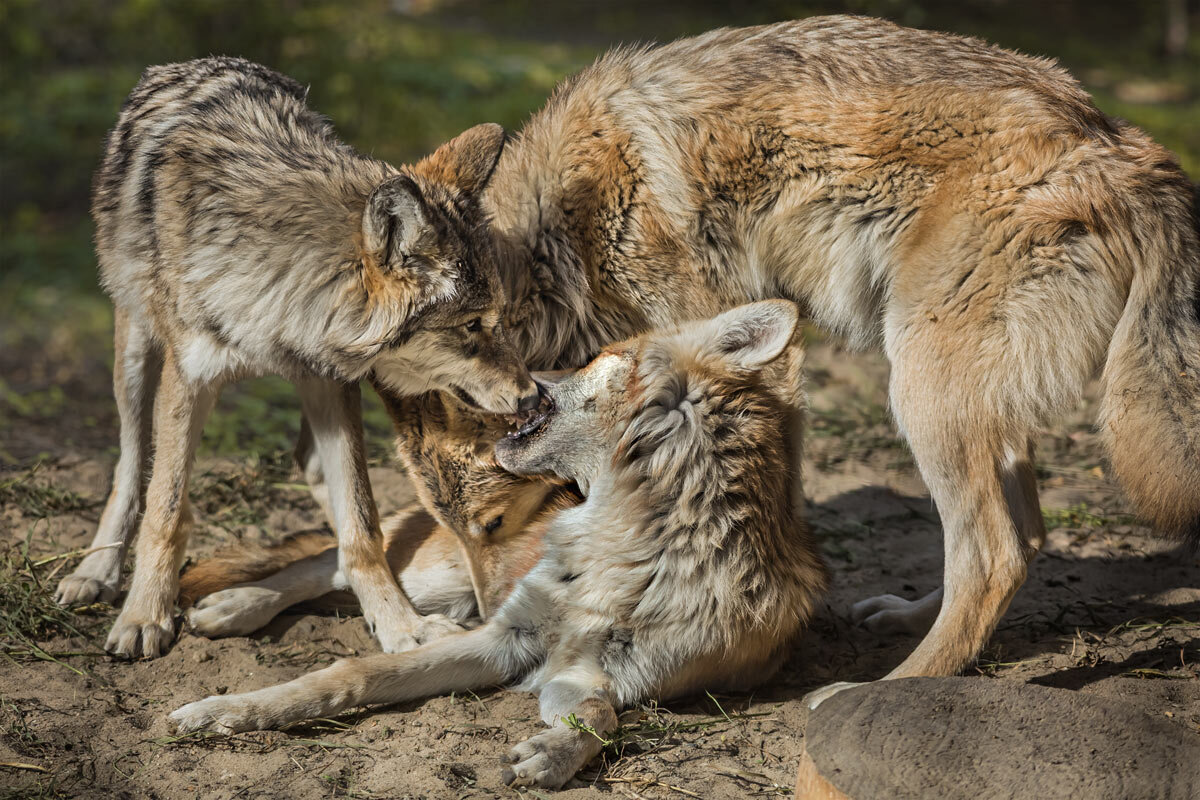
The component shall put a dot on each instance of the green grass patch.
(1080, 517)
(31, 615)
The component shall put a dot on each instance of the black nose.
(529, 402)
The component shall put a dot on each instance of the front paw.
(217, 713)
(133, 635)
(547, 760)
(237, 611)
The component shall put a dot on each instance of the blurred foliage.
(398, 77)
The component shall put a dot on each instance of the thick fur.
(965, 208)
(237, 237)
(687, 565)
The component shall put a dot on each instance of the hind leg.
(987, 498)
(135, 377)
(308, 459)
(958, 390)
(145, 625)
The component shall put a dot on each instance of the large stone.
(977, 739)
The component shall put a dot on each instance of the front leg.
(457, 663)
(576, 704)
(334, 414)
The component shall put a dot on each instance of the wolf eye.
(496, 523)
(475, 325)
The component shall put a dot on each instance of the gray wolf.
(687, 566)
(237, 236)
(964, 208)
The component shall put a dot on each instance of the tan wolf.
(237, 237)
(687, 566)
(965, 208)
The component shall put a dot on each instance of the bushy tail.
(1150, 416)
(245, 562)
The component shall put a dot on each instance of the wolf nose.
(529, 402)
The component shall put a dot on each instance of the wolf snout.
(530, 402)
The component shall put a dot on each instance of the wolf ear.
(393, 221)
(467, 161)
(752, 335)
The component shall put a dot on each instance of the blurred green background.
(398, 78)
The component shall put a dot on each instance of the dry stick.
(651, 782)
(83, 551)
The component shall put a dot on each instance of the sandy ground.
(1107, 610)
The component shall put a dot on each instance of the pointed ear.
(393, 221)
(467, 161)
(551, 377)
(754, 334)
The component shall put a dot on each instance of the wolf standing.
(965, 208)
(238, 237)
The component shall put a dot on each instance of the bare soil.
(1108, 611)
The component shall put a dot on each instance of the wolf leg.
(145, 624)
(455, 663)
(308, 459)
(576, 705)
(978, 466)
(245, 608)
(135, 377)
(334, 412)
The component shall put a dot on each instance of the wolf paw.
(79, 590)
(131, 637)
(233, 612)
(547, 760)
(222, 714)
(889, 614)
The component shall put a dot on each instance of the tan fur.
(238, 237)
(687, 566)
(245, 562)
(964, 208)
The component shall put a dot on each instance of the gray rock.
(978, 739)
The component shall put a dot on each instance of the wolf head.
(665, 399)
(432, 284)
(447, 449)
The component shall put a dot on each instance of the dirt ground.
(1108, 611)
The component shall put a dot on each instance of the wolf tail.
(1150, 415)
(244, 562)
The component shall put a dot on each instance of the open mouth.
(534, 422)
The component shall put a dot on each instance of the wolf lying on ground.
(965, 208)
(687, 566)
(238, 237)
